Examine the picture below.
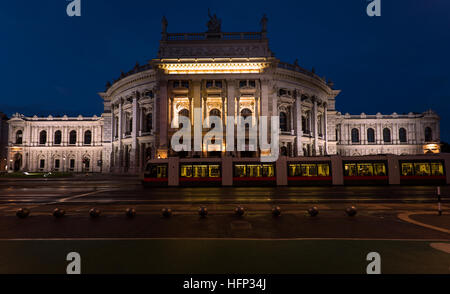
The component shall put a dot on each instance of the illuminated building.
(223, 74)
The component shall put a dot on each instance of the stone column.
(291, 118)
(325, 131)
(264, 98)
(316, 136)
(163, 102)
(154, 115)
(134, 152)
(119, 162)
(298, 125)
(113, 123)
(141, 120)
(231, 92)
(223, 113)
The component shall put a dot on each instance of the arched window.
(116, 129)
(246, 112)
(283, 122)
(72, 137)
(402, 135)
(87, 137)
(42, 137)
(370, 135)
(19, 135)
(355, 136)
(320, 125)
(214, 112)
(308, 121)
(57, 139)
(149, 122)
(304, 124)
(428, 134)
(184, 112)
(386, 135)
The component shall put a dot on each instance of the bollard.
(203, 211)
(313, 211)
(239, 211)
(23, 212)
(57, 212)
(130, 212)
(94, 212)
(351, 211)
(276, 211)
(166, 212)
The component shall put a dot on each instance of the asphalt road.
(331, 242)
(130, 191)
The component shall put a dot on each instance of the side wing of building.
(64, 144)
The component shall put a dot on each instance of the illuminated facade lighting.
(213, 68)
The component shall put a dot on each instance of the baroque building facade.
(3, 142)
(220, 75)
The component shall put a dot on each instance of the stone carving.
(264, 23)
(164, 24)
(214, 23)
(194, 50)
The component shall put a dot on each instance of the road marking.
(405, 217)
(445, 247)
(80, 195)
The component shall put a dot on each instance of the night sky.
(399, 62)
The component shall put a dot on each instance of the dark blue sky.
(51, 63)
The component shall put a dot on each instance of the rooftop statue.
(214, 23)
(164, 24)
(264, 23)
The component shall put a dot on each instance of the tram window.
(437, 169)
(407, 169)
(254, 170)
(268, 170)
(200, 171)
(186, 171)
(294, 170)
(422, 169)
(214, 171)
(323, 170)
(156, 171)
(161, 171)
(365, 169)
(379, 169)
(239, 170)
(350, 170)
(309, 170)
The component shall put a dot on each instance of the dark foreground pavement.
(329, 224)
(187, 256)
(257, 243)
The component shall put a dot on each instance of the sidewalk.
(76, 177)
